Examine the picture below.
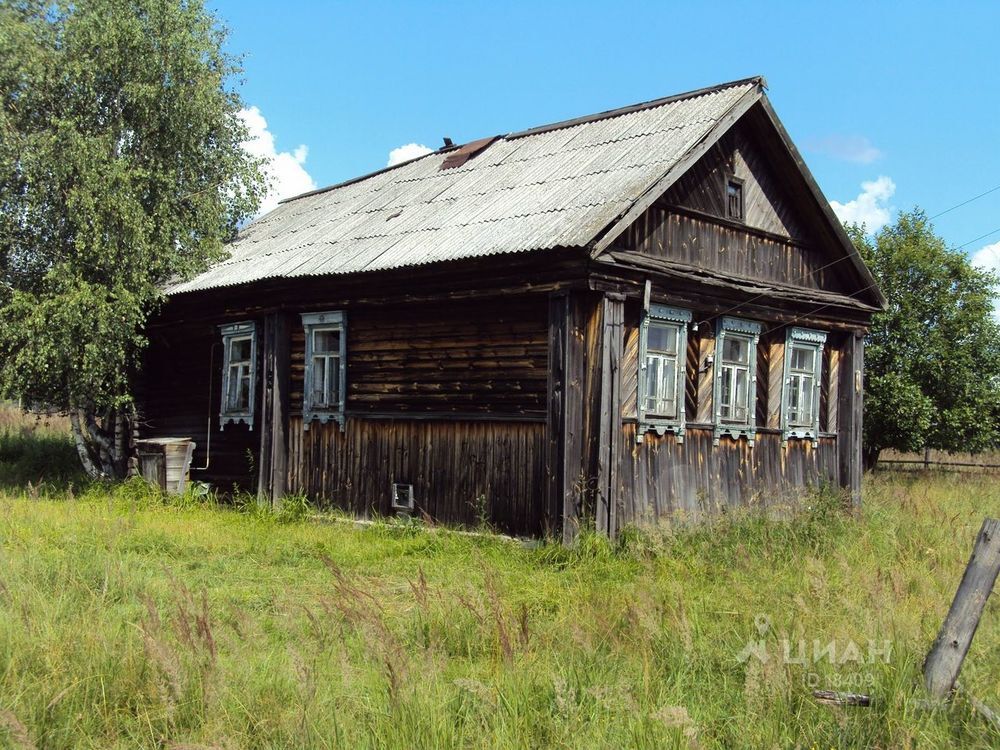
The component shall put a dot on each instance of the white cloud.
(988, 258)
(853, 148)
(407, 152)
(286, 172)
(871, 207)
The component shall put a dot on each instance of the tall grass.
(127, 621)
(36, 450)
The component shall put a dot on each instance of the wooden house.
(606, 320)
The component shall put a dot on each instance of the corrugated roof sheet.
(541, 189)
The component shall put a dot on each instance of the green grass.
(126, 621)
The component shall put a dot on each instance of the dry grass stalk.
(503, 635)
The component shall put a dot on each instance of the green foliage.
(120, 168)
(128, 620)
(932, 358)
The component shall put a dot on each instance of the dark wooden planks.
(462, 472)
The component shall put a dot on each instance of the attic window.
(734, 198)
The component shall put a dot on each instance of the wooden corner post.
(849, 410)
(275, 372)
(564, 420)
(609, 416)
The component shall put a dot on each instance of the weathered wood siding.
(767, 203)
(661, 478)
(179, 396)
(773, 242)
(488, 357)
(461, 472)
(708, 244)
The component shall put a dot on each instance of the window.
(662, 369)
(735, 388)
(734, 198)
(803, 369)
(239, 373)
(326, 346)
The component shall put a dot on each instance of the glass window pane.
(726, 397)
(233, 384)
(652, 382)
(736, 350)
(239, 350)
(740, 401)
(662, 338)
(244, 397)
(802, 358)
(318, 385)
(326, 341)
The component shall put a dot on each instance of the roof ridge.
(628, 109)
(759, 80)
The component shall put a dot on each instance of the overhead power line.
(965, 203)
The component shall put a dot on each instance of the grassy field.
(126, 621)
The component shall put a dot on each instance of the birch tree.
(121, 167)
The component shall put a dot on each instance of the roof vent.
(448, 143)
(466, 152)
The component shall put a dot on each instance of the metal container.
(165, 462)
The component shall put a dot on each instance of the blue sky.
(893, 105)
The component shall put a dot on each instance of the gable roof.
(575, 183)
(559, 185)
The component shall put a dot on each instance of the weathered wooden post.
(944, 661)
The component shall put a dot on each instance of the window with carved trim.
(803, 373)
(735, 386)
(325, 374)
(662, 370)
(239, 373)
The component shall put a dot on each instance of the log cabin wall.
(449, 397)
(179, 396)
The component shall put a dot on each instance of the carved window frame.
(335, 320)
(748, 331)
(678, 319)
(813, 341)
(232, 332)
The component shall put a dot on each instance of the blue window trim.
(750, 330)
(815, 340)
(653, 423)
(229, 332)
(336, 319)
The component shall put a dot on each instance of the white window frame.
(679, 320)
(334, 320)
(814, 341)
(231, 332)
(749, 331)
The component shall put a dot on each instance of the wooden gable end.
(781, 235)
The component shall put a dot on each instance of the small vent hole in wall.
(402, 496)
